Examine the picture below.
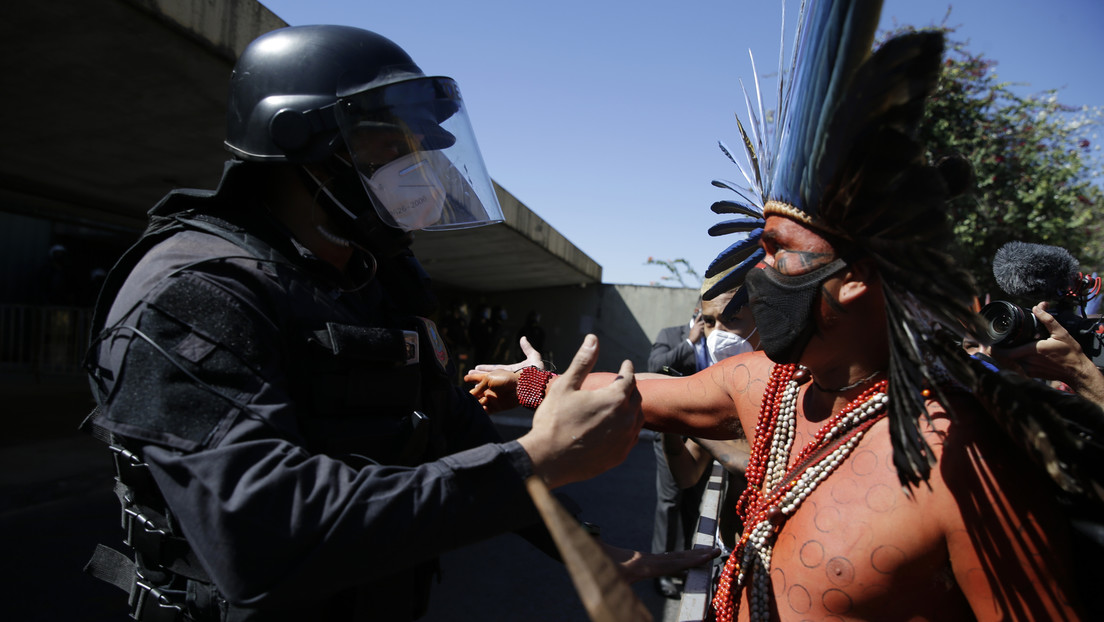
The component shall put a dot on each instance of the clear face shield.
(416, 155)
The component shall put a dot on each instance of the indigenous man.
(879, 487)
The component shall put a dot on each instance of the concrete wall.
(227, 26)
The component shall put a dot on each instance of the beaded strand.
(770, 497)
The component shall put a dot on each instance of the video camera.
(1038, 272)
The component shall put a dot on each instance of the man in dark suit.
(674, 347)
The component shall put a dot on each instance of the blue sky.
(603, 117)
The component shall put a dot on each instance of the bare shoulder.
(1005, 534)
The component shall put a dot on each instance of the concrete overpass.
(111, 103)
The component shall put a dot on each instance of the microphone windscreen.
(1035, 271)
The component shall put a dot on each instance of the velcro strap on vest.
(92, 427)
(111, 566)
(148, 603)
(382, 345)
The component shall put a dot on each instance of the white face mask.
(410, 191)
(722, 344)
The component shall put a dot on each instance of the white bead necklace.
(847, 429)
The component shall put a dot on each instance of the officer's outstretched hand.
(578, 434)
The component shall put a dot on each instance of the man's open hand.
(578, 434)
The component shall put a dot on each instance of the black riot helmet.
(355, 103)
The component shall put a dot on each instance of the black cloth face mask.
(782, 306)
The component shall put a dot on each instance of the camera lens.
(1001, 324)
(1007, 324)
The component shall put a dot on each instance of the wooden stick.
(604, 592)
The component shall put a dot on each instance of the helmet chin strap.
(338, 195)
(323, 197)
(393, 264)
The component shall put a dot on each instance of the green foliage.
(678, 271)
(1035, 165)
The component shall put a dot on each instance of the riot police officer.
(288, 442)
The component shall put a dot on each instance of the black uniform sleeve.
(267, 519)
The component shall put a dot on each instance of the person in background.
(674, 351)
(533, 332)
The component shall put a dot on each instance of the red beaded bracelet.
(531, 386)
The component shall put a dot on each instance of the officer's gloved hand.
(578, 434)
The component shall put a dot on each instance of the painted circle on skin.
(827, 519)
(778, 580)
(887, 558)
(811, 554)
(864, 462)
(840, 571)
(785, 540)
(845, 491)
(798, 599)
(858, 534)
(739, 378)
(881, 498)
(837, 601)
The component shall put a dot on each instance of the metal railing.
(697, 592)
(41, 339)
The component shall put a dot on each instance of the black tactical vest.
(375, 383)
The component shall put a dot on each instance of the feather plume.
(753, 159)
(745, 253)
(741, 193)
(734, 280)
(731, 207)
(736, 225)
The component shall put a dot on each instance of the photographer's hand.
(1058, 357)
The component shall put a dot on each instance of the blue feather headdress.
(841, 157)
(783, 171)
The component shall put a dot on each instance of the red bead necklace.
(773, 494)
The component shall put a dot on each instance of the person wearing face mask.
(729, 330)
(289, 442)
(882, 455)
